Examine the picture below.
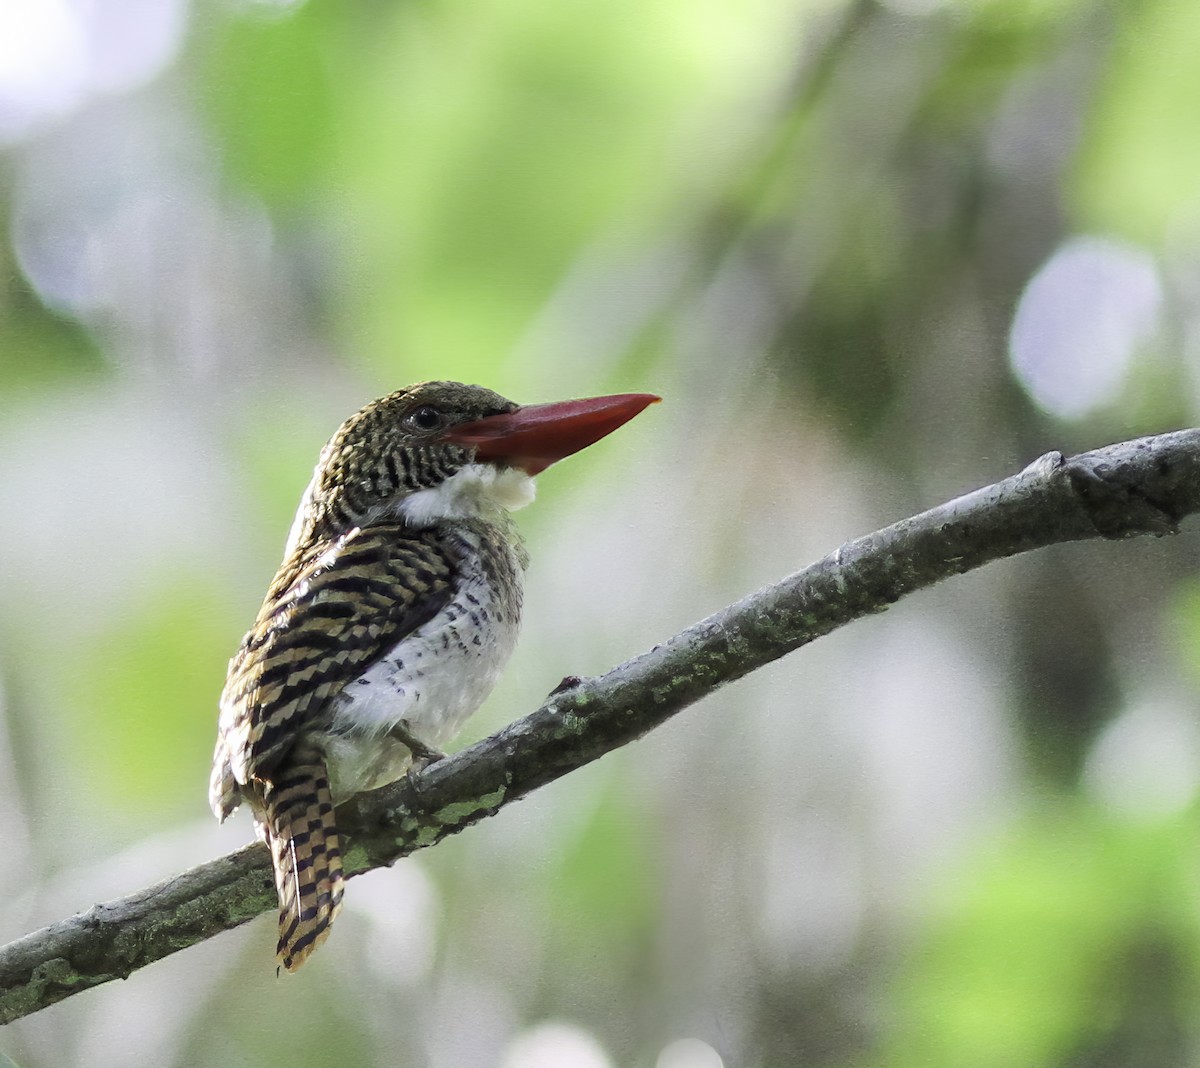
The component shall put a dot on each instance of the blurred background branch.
(1140, 487)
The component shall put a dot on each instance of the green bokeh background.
(961, 834)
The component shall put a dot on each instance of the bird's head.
(440, 450)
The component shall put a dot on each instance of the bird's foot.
(422, 755)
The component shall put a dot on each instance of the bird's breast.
(432, 681)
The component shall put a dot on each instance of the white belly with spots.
(433, 681)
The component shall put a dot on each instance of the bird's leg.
(422, 755)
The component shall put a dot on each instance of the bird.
(388, 622)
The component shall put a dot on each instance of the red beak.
(538, 435)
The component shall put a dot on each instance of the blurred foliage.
(809, 224)
(142, 691)
(467, 159)
(37, 347)
(1074, 941)
(1136, 170)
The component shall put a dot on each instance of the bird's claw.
(422, 755)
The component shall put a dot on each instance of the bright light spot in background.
(132, 41)
(555, 1045)
(689, 1053)
(54, 53)
(1080, 322)
(1146, 763)
(42, 63)
(118, 221)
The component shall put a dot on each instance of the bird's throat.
(477, 491)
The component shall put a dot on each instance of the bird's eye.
(424, 418)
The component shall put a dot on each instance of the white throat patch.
(474, 490)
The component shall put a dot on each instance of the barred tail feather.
(306, 854)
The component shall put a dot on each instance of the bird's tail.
(307, 857)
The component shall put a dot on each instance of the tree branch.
(1138, 487)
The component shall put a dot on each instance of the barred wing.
(331, 612)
